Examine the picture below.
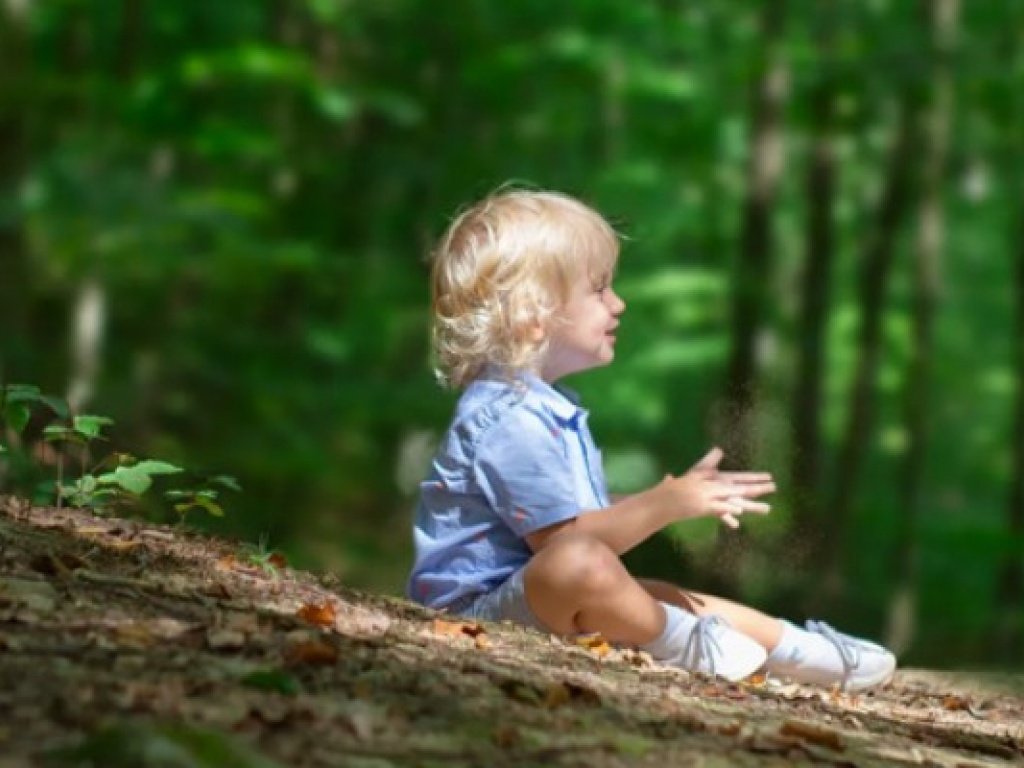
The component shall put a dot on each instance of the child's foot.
(822, 656)
(715, 648)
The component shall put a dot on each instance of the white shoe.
(715, 648)
(843, 660)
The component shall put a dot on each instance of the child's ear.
(535, 332)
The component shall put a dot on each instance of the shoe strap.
(848, 647)
(703, 644)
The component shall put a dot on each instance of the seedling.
(116, 479)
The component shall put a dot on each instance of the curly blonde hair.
(503, 270)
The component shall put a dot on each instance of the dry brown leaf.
(458, 628)
(314, 652)
(556, 695)
(955, 703)
(561, 693)
(278, 560)
(123, 546)
(482, 641)
(594, 643)
(506, 736)
(323, 615)
(813, 733)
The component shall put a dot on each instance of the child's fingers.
(751, 506)
(750, 490)
(727, 510)
(745, 477)
(710, 459)
(731, 521)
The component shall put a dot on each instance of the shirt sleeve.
(523, 469)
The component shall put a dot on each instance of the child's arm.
(701, 492)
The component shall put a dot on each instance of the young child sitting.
(515, 521)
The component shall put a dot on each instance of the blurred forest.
(214, 219)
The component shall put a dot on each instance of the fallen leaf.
(594, 643)
(457, 628)
(955, 703)
(506, 736)
(558, 694)
(278, 560)
(323, 615)
(314, 652)
(813, 733)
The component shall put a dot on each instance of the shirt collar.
(563, 402)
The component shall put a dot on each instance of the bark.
(14, 274)
(820, 187)
(1009, 627)
(734, 430)
(893, 207)
(942, 20)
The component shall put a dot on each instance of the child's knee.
(581, 564)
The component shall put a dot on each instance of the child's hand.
(704, 490)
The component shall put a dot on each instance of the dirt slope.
(125, 644)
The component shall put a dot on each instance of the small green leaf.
(128, 478)
(151, 467)
(210, 506)
(21, 393)
(273, 680)
(228, 481)
(57, 405)
(17, 415)
(56, 432)
(91, 427)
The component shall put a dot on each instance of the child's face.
(583, 335)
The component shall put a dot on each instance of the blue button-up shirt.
(517, 457)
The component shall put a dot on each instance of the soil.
(130, 644)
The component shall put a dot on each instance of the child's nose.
(615, 303)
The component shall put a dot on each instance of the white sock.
(678, 625)
(800, 649)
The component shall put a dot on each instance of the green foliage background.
(251, 189)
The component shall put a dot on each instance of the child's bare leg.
(763, 628)
(577, 584)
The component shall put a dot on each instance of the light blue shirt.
(517, 457)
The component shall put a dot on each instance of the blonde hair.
(504, 268)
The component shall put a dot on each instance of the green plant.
(115, 480)
(202, 496)
(262, 556)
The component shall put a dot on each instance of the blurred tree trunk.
(942, 21)
(15, 292)
(752, 279)
(816, 291)
(1009, 624)
(879, 251)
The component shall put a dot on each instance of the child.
(514, 520)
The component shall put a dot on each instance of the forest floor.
(130, 644)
